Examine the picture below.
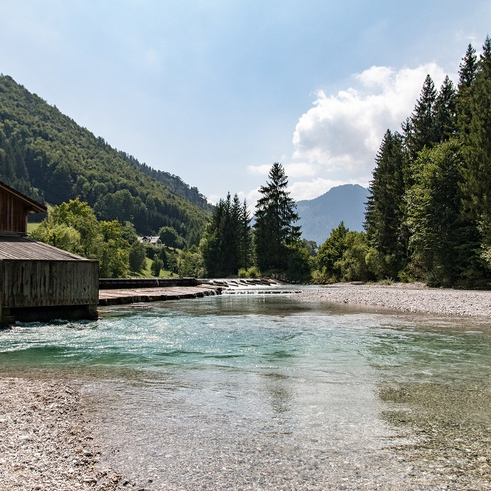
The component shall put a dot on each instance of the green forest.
(428, 214)
(47, 156)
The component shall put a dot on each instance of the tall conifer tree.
(477, 150)
(467, 76)
(420, 129)
(445, 112)
(275, 218)
(384, 218)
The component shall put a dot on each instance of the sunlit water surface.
(268, 392)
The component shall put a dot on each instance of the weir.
(116, 291)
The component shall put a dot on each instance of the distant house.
(151, 239)
(38, 281)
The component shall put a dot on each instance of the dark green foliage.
(226, 246)
(420, 129)
(477, 152)
(191, 263)
(477, 141)
(156, 266)
(331, 252)
(299, 264)
(467, 76)
(439, 232)
(170, 238)
(48, 157)
(274, 227)
(445, 112)
(343, 255)
(436, 197)
(137, 257)
(311, 247)
(385, 215)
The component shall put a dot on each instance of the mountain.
(50, 158)
(320, 215)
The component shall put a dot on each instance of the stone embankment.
(412, 297)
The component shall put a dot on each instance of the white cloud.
(341, 134)
(335, 142)
(300, 169)
(261, 170)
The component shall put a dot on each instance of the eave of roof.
(23, 248)
(33, 205)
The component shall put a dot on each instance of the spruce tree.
(226, 243)
(274, 227)
(467, 76)
(420, 130)
(445, 112)
(384, 217)
(477, 149)
(441, 239)
(244, 241)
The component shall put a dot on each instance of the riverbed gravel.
(405, 297)
(44, 444)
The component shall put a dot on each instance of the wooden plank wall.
(48, 283)
(12, 214)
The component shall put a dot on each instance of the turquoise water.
(267, 392)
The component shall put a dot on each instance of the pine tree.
(420, 129)
(445, 112)
(331, 253)
(442, 241)
(226, 244)
(244, 242)
(477, 149)
(467, 76)
(274, 227)
(384, 217)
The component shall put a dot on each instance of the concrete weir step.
(135, 290)
(259, 292)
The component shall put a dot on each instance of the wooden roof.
(23, 248)
(31, 205)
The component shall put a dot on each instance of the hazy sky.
(216, 91)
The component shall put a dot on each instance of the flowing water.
(268, 392)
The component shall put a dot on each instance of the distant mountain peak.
(320, 215)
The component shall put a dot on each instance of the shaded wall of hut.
(38, 290)
(13, 215)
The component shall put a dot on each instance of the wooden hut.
(38, 281)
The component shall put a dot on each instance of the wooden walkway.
(155, 294)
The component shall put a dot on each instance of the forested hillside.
(49, 157)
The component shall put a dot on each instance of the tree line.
(428, 213)
(271, 246)
(429, 210)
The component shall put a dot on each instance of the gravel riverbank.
(44, 443)
(407, 297)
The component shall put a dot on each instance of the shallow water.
(267, 392)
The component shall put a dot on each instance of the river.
(269, 392)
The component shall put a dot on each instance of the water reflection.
(436, 387)
(272, 393)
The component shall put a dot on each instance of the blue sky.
(216, 91)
